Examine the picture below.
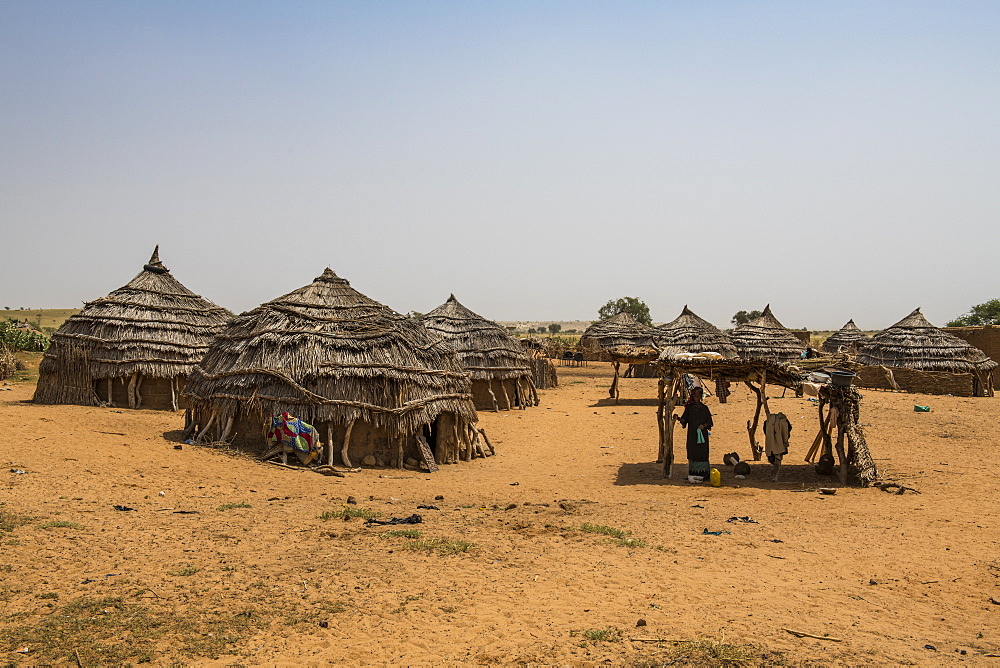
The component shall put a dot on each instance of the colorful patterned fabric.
(293, 432)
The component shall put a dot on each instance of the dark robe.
(695, 415)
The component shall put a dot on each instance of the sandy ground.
(273, 583)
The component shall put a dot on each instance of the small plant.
(230, 506)
(630, 542)
(187, 570)
(10, 521)
(60, 524)
(49, 594)
(6, 568)
(604, 531)
(350, 511)
(610, 634)
(401, 533)
(442, 546)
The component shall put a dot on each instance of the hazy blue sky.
(836, 159)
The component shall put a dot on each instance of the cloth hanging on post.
(294, 435)
(777, 429)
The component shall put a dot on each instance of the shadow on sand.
(793, 477)
(604, 403)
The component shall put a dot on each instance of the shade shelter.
(839, 407)
(133, 348)
(848, 338)
(378, 387)
(764, 338)
(915, 355)
(500, 368)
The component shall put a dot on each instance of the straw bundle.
(333, 357)
(766, 338)
(496, 361)
(8, 365)
(618, 330)
(849, 337)
(915, 343)
(692, 334)
(152, 331)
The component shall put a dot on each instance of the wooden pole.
(489, 387)
(344, 459)
(660, 408)
(613, 390)
(752, 426)
(840, 453)
(668, 449)
(130, 392)
(329, 444)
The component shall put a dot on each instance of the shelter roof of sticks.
(689, 333)
(766, 338)
(153, 326)
(485, 348)
(619, 330)
(915, 343)
(330, 354)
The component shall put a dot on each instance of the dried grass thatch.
(151, 329)
(488, 352)
(914, 343)
(331, 356)
(848, 337)
(691, 334)
(8, 365)
(764, 338)
(618, 330)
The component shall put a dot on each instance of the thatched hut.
(691, 334)
(915, 355)
(764, 338)
(500, 368)
(378, 387)
(848, 338)
(133, 348)
(618, 330)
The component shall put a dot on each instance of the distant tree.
(572, 331)
(743, 317)
(511, 329)
(554, 328)
(634, 306)
(7, 308)
(415, 314)
(987, 313)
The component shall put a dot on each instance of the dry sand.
(886, 574)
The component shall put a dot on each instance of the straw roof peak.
(848, 337)
(154, 263)
(915, 343)
(765, 337)
(484, 347)
(690, 333)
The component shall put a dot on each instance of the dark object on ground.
(889, 486)
(741, 468)
(731, 459)
(185, 512)
(412, 519)
(825, 464)
(641, 622)
(125, 509)
(428, 506)
(178, 447)
(439, 498)
(746, 519)
(828, 490)
(706, 532)
(351, 500)
(931, 647)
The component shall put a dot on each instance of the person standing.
(697, 419)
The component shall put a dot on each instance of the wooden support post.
(482, 432)
(110, 397)
(329, 444)
(344, 458)
(229, 426)
(613, 390)
(204, 430)
(752, 426)
(818, 441)
(506, 397)
(138, 393)
(400, 452)
(489, 388)
(840, 453)
(660, 408)
(173, 393)
(130, 391)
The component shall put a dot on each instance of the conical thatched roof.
(849, 337)
(329, 354)
(152, 326)
(915, 343)
(618, 330)
(689, 333)
(766, 338)
(484, 348)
